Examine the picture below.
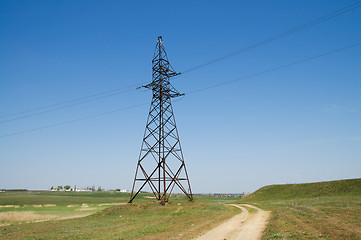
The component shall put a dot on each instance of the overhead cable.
(80, 99)
(191, 92)
(252, 46)
(276, 68)
(77, 102)
(72, 121)
(279, 36)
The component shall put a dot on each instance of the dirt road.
(245, 226)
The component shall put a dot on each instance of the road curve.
(245, 226)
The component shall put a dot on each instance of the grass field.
(325, 210)
(145, 219)
(21, 207)
(62, 198)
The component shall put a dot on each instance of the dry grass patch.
(27, 216)
(85, 209)
(110, 204)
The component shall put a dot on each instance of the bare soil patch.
(29, 216)
(73, 205)
(110, 204)
(85, 209)
(9, 206)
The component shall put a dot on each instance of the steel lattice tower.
(161, 163)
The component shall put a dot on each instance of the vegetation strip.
(325, 210)
(145, 219)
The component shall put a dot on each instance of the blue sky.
(296, 124)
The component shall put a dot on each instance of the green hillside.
(349, 187)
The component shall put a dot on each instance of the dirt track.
(245, 226)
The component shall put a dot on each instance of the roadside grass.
(311, 211)
(250, 210)
(180, 219)
(315, 218)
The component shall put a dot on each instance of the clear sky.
(301, 123)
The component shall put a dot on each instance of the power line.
(279, 36)
(85, 98)
(255, 45)
(72, 121)
(66, 106)
(192, 92)
(276, 68)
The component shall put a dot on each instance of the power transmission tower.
(161, 163)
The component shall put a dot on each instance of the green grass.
(145, 218)
(66, 198)
(250, 210)
(62, 198)
(325, 210)
(349, 187)
(58, 211)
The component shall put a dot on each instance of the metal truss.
(161, 164)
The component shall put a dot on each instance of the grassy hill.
(321, 210)
(349, 187)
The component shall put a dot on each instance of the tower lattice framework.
(161, 164)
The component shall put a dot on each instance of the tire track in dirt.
(245, 226)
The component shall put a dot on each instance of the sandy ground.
(245, 226)
(30, 216)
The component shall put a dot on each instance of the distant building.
(83, 190)
(121, 190)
